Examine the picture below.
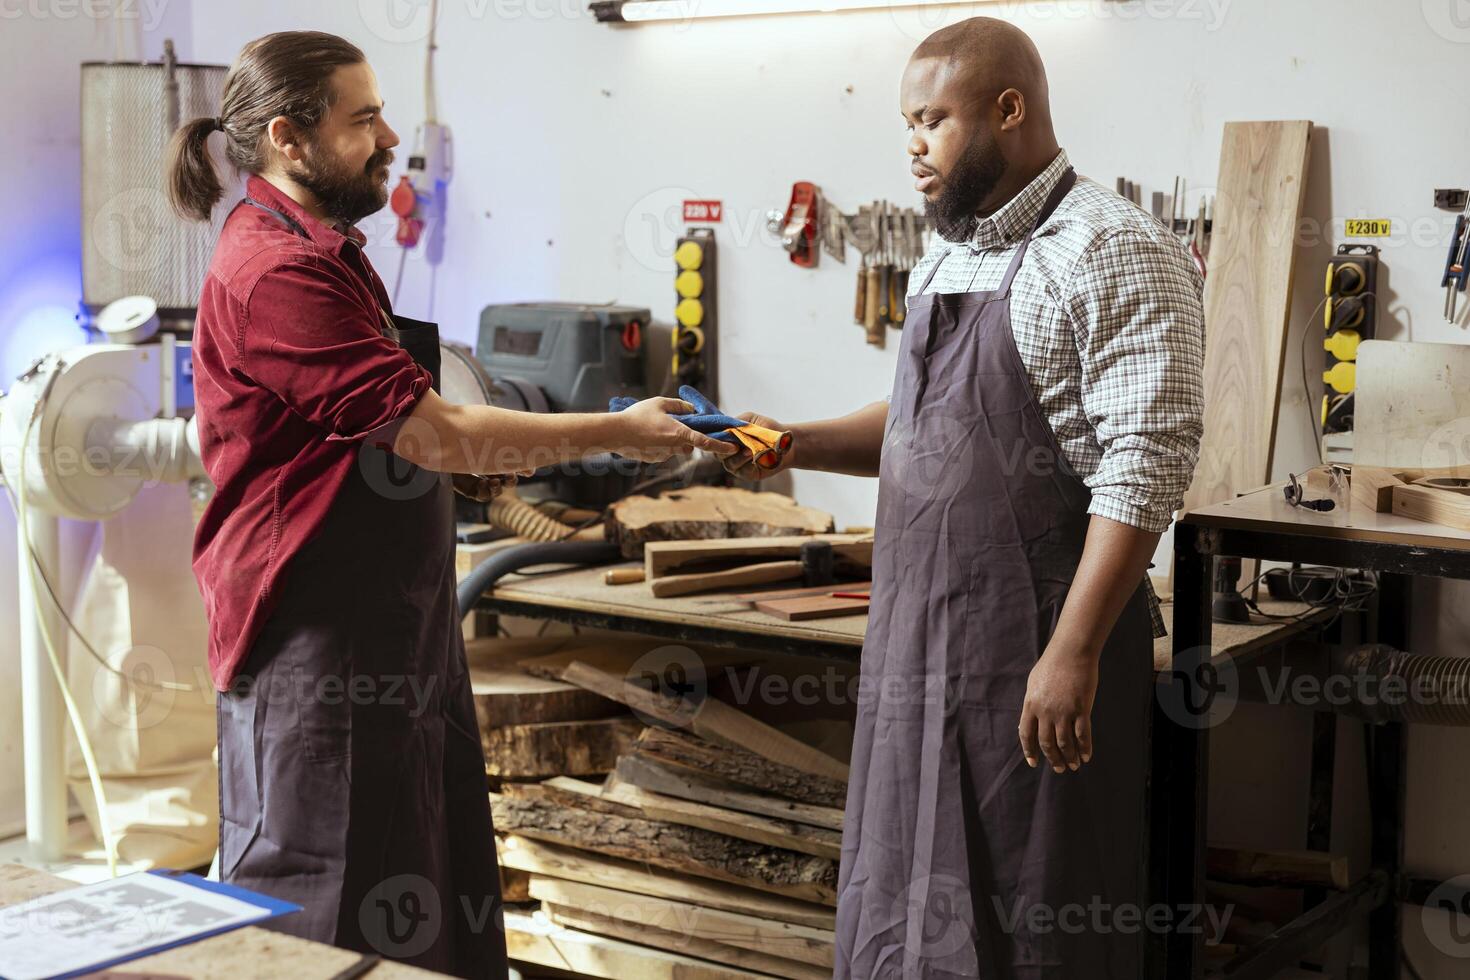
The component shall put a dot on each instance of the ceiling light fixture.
(638, 11)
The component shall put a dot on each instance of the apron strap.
(1059, 191)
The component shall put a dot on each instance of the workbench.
(247, 953)
(1261, 525)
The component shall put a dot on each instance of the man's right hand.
(742, 464)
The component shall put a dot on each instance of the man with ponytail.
(352, 781)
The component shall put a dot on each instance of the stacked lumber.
(711, 850)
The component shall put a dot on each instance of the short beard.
(969, 182)
(346, 196)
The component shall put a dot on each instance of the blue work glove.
(705, 418)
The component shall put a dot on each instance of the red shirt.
(291, 372)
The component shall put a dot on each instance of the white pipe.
(157, 450)
(43, 710)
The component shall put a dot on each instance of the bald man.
(1043, 426)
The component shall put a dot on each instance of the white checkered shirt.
(1107, 315)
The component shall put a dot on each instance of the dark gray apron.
(352, 780)
(958, 860)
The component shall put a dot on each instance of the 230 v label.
(1366, 227)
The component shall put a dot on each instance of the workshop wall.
(576, 141)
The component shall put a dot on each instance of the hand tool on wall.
(863, 238)
(799, 232)
(885, 268)
(870, 293)
(1455, 269)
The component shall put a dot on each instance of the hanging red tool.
(799, 234)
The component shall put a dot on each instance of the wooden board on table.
(529, 939)
(689, 784)
(762, 830)
(573, 864)
(573, 748)
(801, 943)
(682, 943)
(1443, 507)
(759, 573)
(247, 953)
(665, 557)
(801, 608)
(701, 513)
(688, 850)
(808, 590)
(1258, 202)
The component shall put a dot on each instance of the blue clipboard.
(271, 907)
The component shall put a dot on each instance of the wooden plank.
(1370, 488)
(760, 573)
(744, 769)
(663, 557)
(637, 770)
(1258, 202)
(1252, 867)
(505, 694)
(801, 608)
(683, 943)
(713, 720)
(665, 845)
(623, 657)
(801, 943)
(699, 512)
(809, 590)
(572, 864)
(763, 830)
(1443, 507)
(575, 748)
(530, 940)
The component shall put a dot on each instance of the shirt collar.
(327, 236)
(1012, 220)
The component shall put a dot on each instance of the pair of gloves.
(766, 446)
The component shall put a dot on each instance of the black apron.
(955, 853)
(352, 780)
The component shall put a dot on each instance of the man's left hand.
(1056, 718)
(482, 489)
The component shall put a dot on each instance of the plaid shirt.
(1107, 315)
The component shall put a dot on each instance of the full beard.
(955, 211)
(346, 195)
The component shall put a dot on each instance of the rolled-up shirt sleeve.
(1136, 309)
(307, 338)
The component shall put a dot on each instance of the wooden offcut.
(694, 513)
(1435, 506)
(681, 752)
(1258, 202)
(1251, 867)
(714, 720)
(799, 609)
(576, 748)
(573, 864)
(685, 849)
(531, 940)
(760, 573)
(746, 826)
(682, 943)
(505, 694)
(792, 942)
(687, 784)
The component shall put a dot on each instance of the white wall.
(574, 138)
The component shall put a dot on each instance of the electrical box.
(1349, 317)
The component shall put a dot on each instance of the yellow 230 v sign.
(1366, 228)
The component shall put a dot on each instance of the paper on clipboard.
(83, 929)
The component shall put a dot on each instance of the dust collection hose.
(510, 513)
(514, 559)
(1432, 690)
